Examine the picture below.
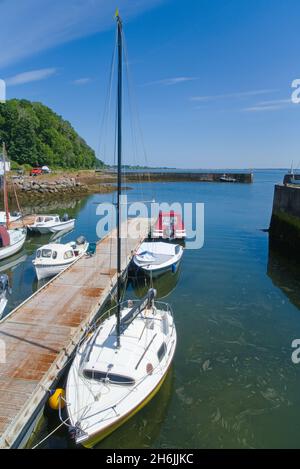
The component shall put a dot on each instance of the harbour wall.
(285, 222)
(168, 176)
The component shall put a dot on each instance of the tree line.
(35, 135)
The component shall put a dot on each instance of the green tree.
(36, 135)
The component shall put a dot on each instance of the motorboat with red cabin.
(169, 225)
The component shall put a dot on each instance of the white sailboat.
(11, 240)
(53, 258)
(156, 258)
(122, 365)
(12, 217)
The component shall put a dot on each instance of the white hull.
(154, 271)
(11, 218)
(101, 407)
(54, 228)
(45, 269)
(164, 259)
(8, 251)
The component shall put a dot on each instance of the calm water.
(232, 384)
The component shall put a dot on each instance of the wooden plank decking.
(41, 333)
(24, 221)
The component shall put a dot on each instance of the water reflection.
(54, 205)
(164, 284)
(285, 274)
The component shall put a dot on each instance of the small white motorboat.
(4, 290)
(11, 217)
(51, 224)
(53, 258)
(155, 258)
(226, 178)
(11, 241)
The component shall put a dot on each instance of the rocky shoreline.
(30, 187)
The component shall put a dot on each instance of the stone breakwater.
(31, 187)
(50, 186)
(285, 221)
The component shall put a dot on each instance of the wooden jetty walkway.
(26, 220)
(42, 332)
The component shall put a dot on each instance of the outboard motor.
(65, 217)
(4, 284)
(80, 240)
(151, 295)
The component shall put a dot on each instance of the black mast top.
(120, 50)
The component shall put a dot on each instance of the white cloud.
(31, 26)
(81, 81)
(238, 95)
(28, 77)
(171, 81)
(274, 105)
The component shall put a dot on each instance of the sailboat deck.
(39, 336)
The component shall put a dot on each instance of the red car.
(169, 225)
(36, 171)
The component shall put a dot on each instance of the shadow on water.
(164, 284)
(142, 430)
(285, 274)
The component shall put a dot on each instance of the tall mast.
(120, 50)
(5, 186)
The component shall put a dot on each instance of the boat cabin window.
(48, 219)
(54, 255)
(162, 351)
(68, 254)
(110, 377)
(39, 219)
(46, 252)
(177, 249)
(38, 253)
(57, 219)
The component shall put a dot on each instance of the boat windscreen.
(108, 377)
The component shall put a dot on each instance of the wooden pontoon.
(41, 334)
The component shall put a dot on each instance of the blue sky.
(212, 77)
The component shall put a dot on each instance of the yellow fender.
(55, 401)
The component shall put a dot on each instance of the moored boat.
(44, 224)
(11, 240)
(225, 178)
(156, 258)
(123, 363)
(11, 217)
(53, 258)
(169, 225)
(108, 384)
